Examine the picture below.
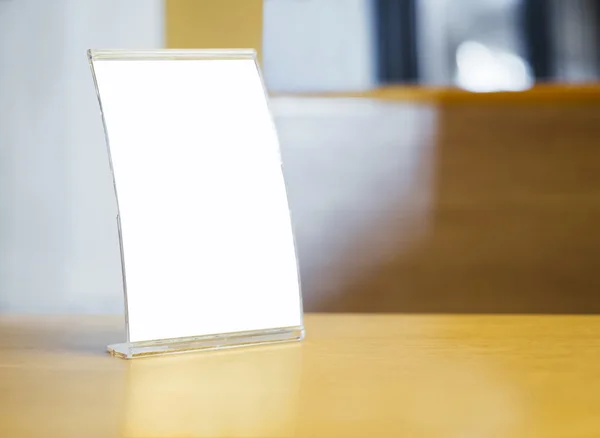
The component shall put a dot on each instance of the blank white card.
(206, 233)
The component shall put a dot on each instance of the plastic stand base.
(132, 350)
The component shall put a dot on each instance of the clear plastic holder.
(207, 247)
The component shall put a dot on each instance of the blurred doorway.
(396, 36)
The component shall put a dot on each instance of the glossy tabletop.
(470, 203)
(353, 376)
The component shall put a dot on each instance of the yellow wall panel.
(214, 24)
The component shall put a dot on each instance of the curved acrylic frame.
(201, 340)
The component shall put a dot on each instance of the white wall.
(58, 247)
(432, 42)
(319, 45)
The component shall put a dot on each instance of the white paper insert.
(206, 232)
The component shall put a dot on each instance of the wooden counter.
(471, 203)
(353, 376)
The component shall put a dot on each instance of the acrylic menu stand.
(207, 248)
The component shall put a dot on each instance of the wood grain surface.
(353, 376)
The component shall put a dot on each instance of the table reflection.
(251, 392)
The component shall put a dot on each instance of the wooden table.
(353, 376)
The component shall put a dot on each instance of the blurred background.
(440, 155)
(489, 45)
